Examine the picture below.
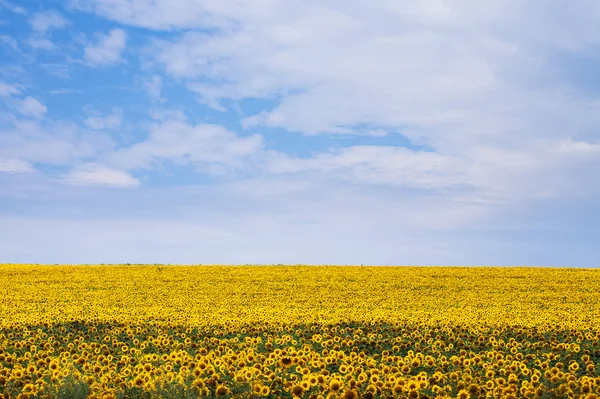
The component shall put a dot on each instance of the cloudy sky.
(401, 132)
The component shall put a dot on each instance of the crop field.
(298, 332)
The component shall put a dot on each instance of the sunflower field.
(141, 331)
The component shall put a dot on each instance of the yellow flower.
(222, 390)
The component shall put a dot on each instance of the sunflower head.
(335, 385)
(350, 394)
(297, 391)
(464, 394)
(222, 390)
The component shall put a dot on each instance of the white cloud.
(12, 7)
(53, 143)
(381, 165)
(377, 132)
(10, 42)
(61, 71)
(65, 91)
(7, 90)
(579, 147)
(42, 43)
(110, 121)
(176, 14)
(32, 107)
(204, 145)
(11, 165)
(154, 87)
(452, 77)
(166, 114)
(107, 50)
(334, 73)
(42, 22)
(97, 175)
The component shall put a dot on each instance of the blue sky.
(322, 132)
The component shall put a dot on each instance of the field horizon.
(483, 266)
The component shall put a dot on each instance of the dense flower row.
(304, 332)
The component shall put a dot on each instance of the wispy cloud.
(99, 121)
(97, 175)
(44, 142)
(382, 165)
(211, 148)
(108, 48)
(32, 107)
(10, 42)
(57, 69)
(42, 22)
(8, 165)
(173, 14)
(153, 86)
(65, 91)
(7, 89)
(12, 7)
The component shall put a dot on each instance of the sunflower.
(257, 389)
(335, 385)
(30, 389)
(574, 367)
(297, 390)
(590, 368)
(138, 381)
(350, 394)
(463, 394)
(221, 390)
(198, 383)
(413, 394)
(473, 389)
